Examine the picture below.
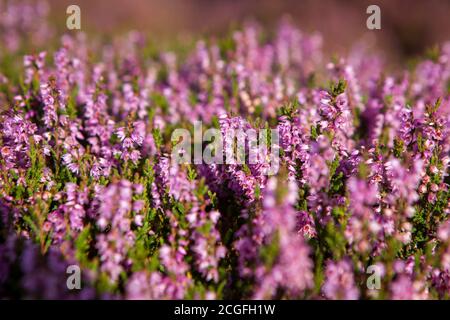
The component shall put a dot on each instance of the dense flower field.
(86, 176)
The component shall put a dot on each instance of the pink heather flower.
(85, 178)
(402, 288)
(115, 211)
(306, 225)
(292, 269)
(153, 286)
(68, 160)
(339, 281)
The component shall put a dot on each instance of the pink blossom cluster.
(86, 177)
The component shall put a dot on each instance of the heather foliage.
(86, 177)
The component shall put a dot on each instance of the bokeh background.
(409, 27)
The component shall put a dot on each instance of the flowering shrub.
(86, 177)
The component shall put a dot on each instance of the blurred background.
(408, 27)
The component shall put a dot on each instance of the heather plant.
(87, 177)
